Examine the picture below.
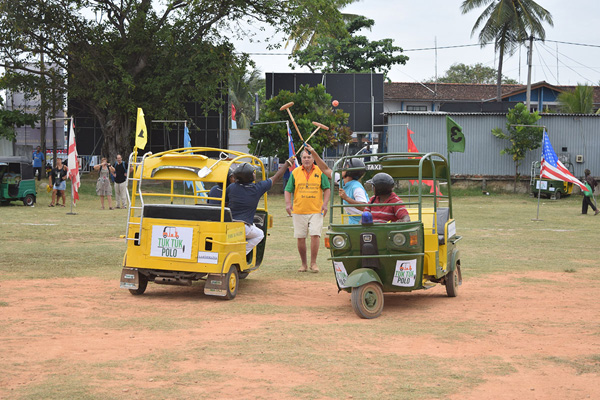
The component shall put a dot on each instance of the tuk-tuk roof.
(185, 164)
(15, 159)
(402, 166)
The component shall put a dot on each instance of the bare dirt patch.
(504, 337)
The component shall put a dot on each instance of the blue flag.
(291, 149)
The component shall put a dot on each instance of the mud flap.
(130, 279)
(216, 285)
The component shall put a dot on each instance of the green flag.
(456, 138)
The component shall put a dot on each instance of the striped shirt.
(391, 213)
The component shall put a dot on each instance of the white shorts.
(307, 224)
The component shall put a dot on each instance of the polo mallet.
(203, 173)
(287, 108)
(319, 126)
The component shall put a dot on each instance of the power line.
(571, 43)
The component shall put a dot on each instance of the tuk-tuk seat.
(443, 214)
(187, 212)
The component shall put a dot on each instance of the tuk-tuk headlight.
(338, 241)
(399, 239)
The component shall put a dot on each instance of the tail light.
(326, 240)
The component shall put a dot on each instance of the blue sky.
(416, 25)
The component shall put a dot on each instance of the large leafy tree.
(134, 53)
(579, 101)
(522, 136)
(476, 73)
(507, 23)
(310, 104)
(350, 52)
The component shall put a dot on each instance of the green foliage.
(507, 23)
(522, 138)
(350, 52)
(242, 89)
(321, 18)
(310, 104)
(11, 119)
(476, 73)
(579, 101)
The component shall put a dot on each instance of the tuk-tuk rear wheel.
(232, 279)
(367, 300)
(142, 285)
(452, 282)
(29, 200)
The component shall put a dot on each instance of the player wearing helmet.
(243, 195)
(383, 185)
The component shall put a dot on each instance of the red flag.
(412, 148)
(73, 164)
(233, 112)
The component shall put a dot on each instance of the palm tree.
(507, 23)
(241, 95)
(323, 23)
(579, 101)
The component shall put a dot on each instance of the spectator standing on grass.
(310, 190)
(590, 183)
(57, 180)
(120, 178)
(103, 187)
(38, 162)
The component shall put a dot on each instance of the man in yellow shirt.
(311, 191)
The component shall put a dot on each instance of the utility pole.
(529, 57)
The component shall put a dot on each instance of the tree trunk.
(516, 175)
(117, 137)
(499, 78)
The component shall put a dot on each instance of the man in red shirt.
(383, 185)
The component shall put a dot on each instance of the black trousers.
(587, 201)
(39, 172)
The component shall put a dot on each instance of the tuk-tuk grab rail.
(224, 243)
(373, 256)
(430, 157)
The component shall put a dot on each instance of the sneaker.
(302, 269)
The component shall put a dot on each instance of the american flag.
(291, 149)
(552, 168)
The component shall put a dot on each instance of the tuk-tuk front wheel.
(142, 285)
(367, 300)
(29, 200)
(232, 279)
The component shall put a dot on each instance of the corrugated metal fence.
(570, 135)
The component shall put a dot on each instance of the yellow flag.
(141, 133)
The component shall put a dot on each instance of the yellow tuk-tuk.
(175, 236)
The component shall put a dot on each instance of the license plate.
(130, 279)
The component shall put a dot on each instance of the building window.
(416, 108)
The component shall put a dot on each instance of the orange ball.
(335, 103)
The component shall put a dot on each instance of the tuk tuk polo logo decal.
(171, 241)
(340, 274)
(405, 273)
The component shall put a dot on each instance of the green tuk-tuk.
(372, 258)
(17, 181)
(550, 188)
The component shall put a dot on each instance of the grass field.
(287, 335)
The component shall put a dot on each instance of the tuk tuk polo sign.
(405, 273)
(171, 242)
(340, 274)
